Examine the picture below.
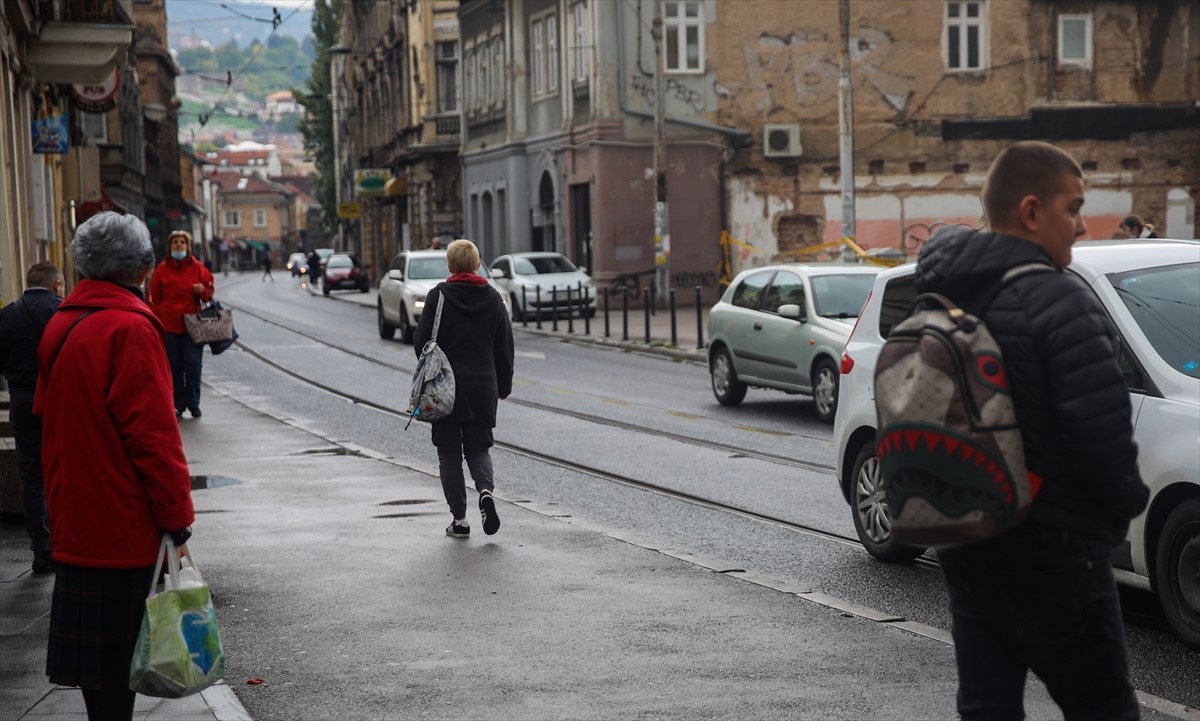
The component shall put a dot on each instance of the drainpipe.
(741, 138)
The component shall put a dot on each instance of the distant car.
(1151, 293)
(537, 282)
(297, 263)
(783, 327)
(344, 271)
(402, 290)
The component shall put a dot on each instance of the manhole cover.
(202, 482)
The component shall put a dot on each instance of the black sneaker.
(42, 563)
(458, 530)
(195, 412)
(487, 509)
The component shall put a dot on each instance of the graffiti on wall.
(643, 86)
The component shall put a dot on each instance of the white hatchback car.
(536, 283)
(1151, 290)
(402, 290)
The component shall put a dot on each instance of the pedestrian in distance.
(116, 476)
(266, 264)
(179, 286)
(477, 339)
(1134, 227)
(1041, 597)
(314, 267)
(21, 326)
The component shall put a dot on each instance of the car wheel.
(1177, 571)
(325, 288)
(871, 519)
(387, 331)
(825, 390)
(726, 387)
(406, 328)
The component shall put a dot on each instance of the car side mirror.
(583, 269)
(395, 274)
(793, 311)
(497, 273)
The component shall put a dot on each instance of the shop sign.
(97, 98)
(370, 182)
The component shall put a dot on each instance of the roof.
(230, 183)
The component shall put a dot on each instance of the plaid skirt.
(95, 617)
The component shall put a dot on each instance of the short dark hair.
(43, 275)
(1133, 221)
(1030, 167)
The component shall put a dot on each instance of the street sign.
(350, 211)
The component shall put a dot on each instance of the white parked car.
(402, 290)
(538, 282)
(1151, 290)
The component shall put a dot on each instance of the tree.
(317, 125)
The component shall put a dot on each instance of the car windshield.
(1165, 302)
(841, 296)
(340, 261)
(542, 264)
(428, 269)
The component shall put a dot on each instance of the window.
(484, 96)
(469, 80)
(683, 24)
(447, 79)
(750, 291)
(898, 297)
(965, 35)
(580, 67)
(95, 125)
(539, 59)
(498, 71)
(1075, 40)
(233, 218)
(786, 288)
(551, 53)
(260, 218)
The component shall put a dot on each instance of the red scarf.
(472, 278)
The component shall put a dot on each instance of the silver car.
(783, 327)
(538, 282)
(402, 290)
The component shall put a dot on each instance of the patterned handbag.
(433, 388)
(211, 323)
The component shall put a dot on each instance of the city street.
(644, 568)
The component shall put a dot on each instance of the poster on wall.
(50, 134)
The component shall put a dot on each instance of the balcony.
(84, 45)
(448, 127)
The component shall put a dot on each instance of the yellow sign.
(349, 211)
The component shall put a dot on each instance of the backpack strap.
(437, 318)
(58, 348)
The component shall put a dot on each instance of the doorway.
(581, 225)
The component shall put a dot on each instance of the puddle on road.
(201, 482)
(329, 451)
(405, 502)
(413, 514)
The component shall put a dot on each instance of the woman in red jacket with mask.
(179, 284)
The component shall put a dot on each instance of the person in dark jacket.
(314, 268)
(117, 479)
(21, 327)
(1042, 597)
(476, 337)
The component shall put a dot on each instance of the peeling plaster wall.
(752, 222)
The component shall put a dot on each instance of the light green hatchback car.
(783, 327)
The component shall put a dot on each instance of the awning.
(255, 244)
(88, 208)
(396, 186)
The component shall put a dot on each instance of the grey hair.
(114, 247)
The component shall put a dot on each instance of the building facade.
(157, 71)
(252, 215)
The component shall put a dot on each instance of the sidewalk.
(686, 334)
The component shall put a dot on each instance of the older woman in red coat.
(179, 284)
(115, 472)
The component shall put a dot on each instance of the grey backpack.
(432, 395)
(951, 458)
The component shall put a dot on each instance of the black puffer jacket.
(477, 339)
(1068, 390)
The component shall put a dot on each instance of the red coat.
(115, 472)
(171, 293)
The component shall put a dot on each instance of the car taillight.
(847, 363)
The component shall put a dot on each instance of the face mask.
(179, 254)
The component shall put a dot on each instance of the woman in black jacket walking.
(476, 337)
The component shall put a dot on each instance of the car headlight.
(418, 302)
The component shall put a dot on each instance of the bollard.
(539, 307)
(570, 313)
(674, 333)
(524, 307)
(699, 321)
(646, 302)
(587, 317)
(653, 296)
(625, 314)
(554, 308)
(606, 333)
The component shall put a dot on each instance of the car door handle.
(758, 326)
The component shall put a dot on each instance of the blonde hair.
(462, 256)
(180, 234)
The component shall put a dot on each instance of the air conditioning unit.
(781, 141)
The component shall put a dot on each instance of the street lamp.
(337, 55)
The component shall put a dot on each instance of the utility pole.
(337, 55)
(662, 236)
(846, 129)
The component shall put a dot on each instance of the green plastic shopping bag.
(178, 650)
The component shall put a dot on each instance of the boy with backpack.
(1037, 593)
